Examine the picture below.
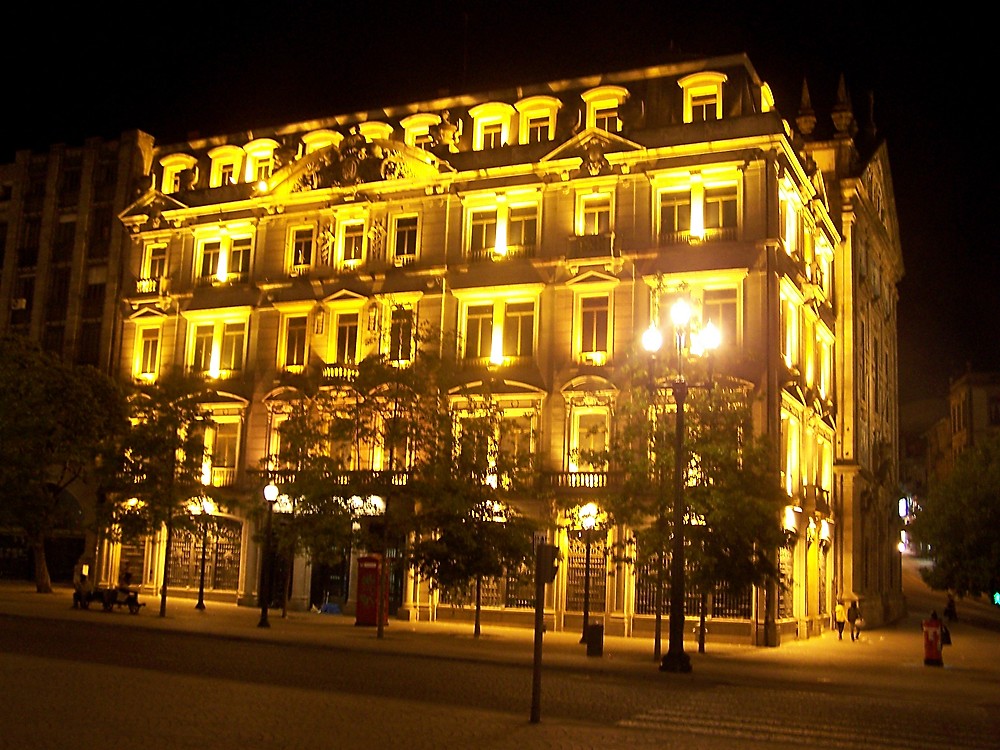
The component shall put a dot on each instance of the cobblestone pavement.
(882, 661)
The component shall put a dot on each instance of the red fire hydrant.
(932, 641)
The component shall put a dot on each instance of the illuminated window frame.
(260, 159)
(601, 99)
(574, 462)
(226, 160)
(146, 363)
(403, 259)
(173, 165)
(417, 129)
(702, 87)
(587, 205)
(537, 110)
(491, 113)
(373, 130)
(317, 140)
(213, 473)
(790, 304)
(293, 260)
(288, 316)
(226, 239)
(217, 320)
(498, 298)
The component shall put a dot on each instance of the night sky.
(174, 70)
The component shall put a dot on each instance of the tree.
(731, 486)
(734, 498)
(163, 461)
(469, 529)
(958, 520)
(59, 424)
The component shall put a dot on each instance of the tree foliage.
(59, 424)
(163, 459)
(958, 520)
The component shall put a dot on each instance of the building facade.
(540, 231)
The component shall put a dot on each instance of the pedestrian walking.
(854, 618)
(840, 617)
(949, 608)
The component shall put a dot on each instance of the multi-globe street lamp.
(270, 497)
(588, 520)
(203, 508)
(676, 660)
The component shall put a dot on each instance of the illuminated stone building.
(543, 228)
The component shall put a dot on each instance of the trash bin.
(595, 639)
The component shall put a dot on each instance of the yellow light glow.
(652, 339)
(588, 516)
(680, 313)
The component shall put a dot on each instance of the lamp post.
(588, 520)
(676, 660)
(204, 508)
(270, 496)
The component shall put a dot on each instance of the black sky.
(211, 68)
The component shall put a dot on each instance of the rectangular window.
(211, 256)
(538, 129)
(703, 107)
(482, 230)
(239, 259)
(262, 168)
(347, 338)
(149, 356)
(479, 331)
(606, 118)
(522, 226)
(156, 267)
(233, 337)
(225, 445)
(302, 248)
(423, 140)
(354, 243)
(93, 299)
(519, 329)
(675, 213)
(594, 324)
(295, 341)
(591, 442)
(515, 440)
(719, 308)
(595, 214)
(202, 359)
(227, 174)
(401, 335)
(492, 135)
(58, 297)
(405, 246)
(62, 243)
(720, 207)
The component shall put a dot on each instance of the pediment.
(149, 209)
(354, 161)
(147, 314)
(593, 277)
(586, 142)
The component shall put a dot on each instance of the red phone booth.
(369, 583)
(932, 643)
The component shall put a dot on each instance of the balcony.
(712, 234)
(230, 278)
(501, 254)
(817, 499)
(157, 285)
(582, 480)
(223, 476)
(340, 371)
(591, 246)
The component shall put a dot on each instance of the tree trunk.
(166, 565)
(43, 582)
(701, 622)
(479, 606)
(286, 589)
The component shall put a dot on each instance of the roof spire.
(807, 117)
(843, 113)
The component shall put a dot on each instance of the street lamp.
(270, 496)
(588, 520)
(676, 660)
(204, 508)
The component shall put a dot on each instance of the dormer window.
(226, 164)
(260, 159)
(375, 130)
(702, 96)
(491, 125)
(173, 167)
(320, 139)
(537, 119)
(417, 129)
(603, 104)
